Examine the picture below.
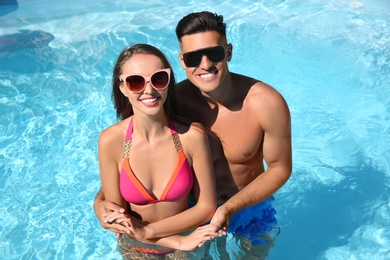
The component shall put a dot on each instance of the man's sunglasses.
(193, 58)
(137, 83)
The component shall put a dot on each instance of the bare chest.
(241, 136)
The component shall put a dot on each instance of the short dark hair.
(121, 103)
(200, 22)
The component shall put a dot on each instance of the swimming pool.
(329, 59)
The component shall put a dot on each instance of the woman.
(151, 160)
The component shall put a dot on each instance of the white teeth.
(149, 100)
(206, 76)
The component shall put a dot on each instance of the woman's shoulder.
(189, 128)
(196, 133)
(114, 133)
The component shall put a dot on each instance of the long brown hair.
(121, 103)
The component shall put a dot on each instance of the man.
(250, 120)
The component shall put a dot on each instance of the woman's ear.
(122, 88)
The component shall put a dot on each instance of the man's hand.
(221, 218)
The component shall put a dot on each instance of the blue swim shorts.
(255, 222)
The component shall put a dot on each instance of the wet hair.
(121, 102)
(200, 22)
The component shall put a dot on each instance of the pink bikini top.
(178, 186)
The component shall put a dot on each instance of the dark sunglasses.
(137, 83)
(193, 58)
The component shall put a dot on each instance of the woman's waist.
(157, 211)
(126, 244)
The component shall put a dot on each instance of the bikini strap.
(175, 137)
(129, 132)
(126, 149)
(128, 140)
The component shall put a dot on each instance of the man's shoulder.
(184, 83)
(260, 90)
(259, 95)
(183, 87)
(252, 87)
(250, 83)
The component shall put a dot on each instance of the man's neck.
(224, 94)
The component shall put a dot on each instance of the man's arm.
(276, 124)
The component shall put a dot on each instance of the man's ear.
(180, 54)
(229, 52)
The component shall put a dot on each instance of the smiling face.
(207, 76)
(149, 101)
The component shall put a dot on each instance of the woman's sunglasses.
(137, 83)
(193, 58)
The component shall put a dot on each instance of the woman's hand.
(103, 207)
(199, 236)
(135, 228)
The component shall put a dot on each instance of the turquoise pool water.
(329, 59)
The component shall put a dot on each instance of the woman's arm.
(191, 241)
(188, 242)
(164, 232)
(103, 207)
(108, 149)
(196, 146)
